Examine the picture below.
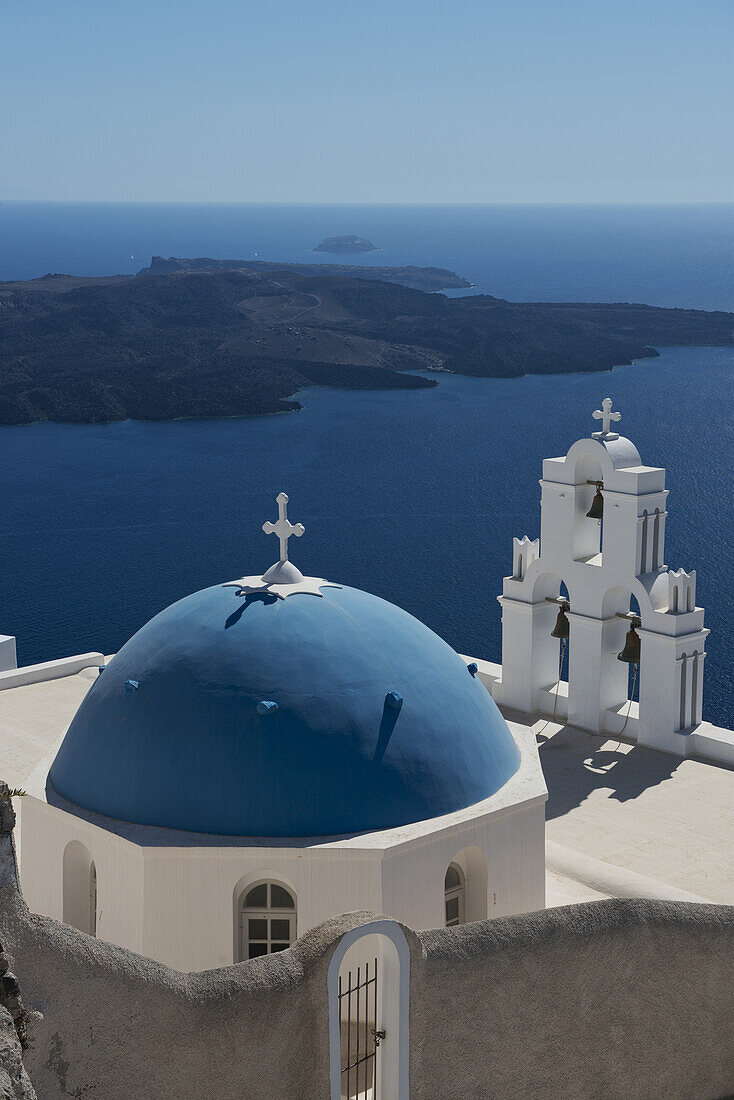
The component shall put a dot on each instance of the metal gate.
(360, 1036)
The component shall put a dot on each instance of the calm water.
(412, 495)
(666, 255)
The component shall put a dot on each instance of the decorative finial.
(283, 527)
(283, 578)
(606, 416)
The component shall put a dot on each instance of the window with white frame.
(267, 920)
(454, 895)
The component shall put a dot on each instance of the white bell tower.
(606, 565)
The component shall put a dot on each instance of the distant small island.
(348, 243)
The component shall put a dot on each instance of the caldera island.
(345, 244)
(211, 338)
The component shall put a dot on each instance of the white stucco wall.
(173, 896)
(44, 835)
(191, 916)
(505, 853)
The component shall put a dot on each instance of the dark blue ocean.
(413, 495)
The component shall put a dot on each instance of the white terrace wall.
(8, 658)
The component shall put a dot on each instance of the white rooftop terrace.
(621, 820)
(617, 811)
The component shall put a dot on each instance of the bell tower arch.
(603, 516)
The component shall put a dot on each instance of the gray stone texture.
(624, 998)
(14, 1083)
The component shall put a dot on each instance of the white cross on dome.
(283, 578)
(283, 527)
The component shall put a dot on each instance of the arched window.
(92, 899)
(267, 920)
(455, 895)
(80, 888)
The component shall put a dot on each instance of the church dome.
(282, 706)
(189, 747)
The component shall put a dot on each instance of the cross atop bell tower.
(606, 416)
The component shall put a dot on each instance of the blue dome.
(378, 721)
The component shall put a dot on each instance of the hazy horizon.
(349, 203)
(407, 102)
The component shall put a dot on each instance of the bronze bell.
(597, 505)
(631, 652)
(562, 628)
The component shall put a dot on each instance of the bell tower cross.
(606, 416)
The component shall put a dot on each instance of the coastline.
(214, 339)
(422, 372)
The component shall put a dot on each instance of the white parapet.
(609, 879)
(49, 670)
(8, 659)
(713, 743)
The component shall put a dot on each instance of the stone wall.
(620, 998)
(116, 1026)
(14, 1083)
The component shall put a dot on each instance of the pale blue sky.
(391, 100)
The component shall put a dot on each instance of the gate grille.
(359, 1037)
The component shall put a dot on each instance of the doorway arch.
(380, 942)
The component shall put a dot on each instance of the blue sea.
(413, 495)
(662, 255)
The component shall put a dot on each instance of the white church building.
(277, 750)
(272, 752)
